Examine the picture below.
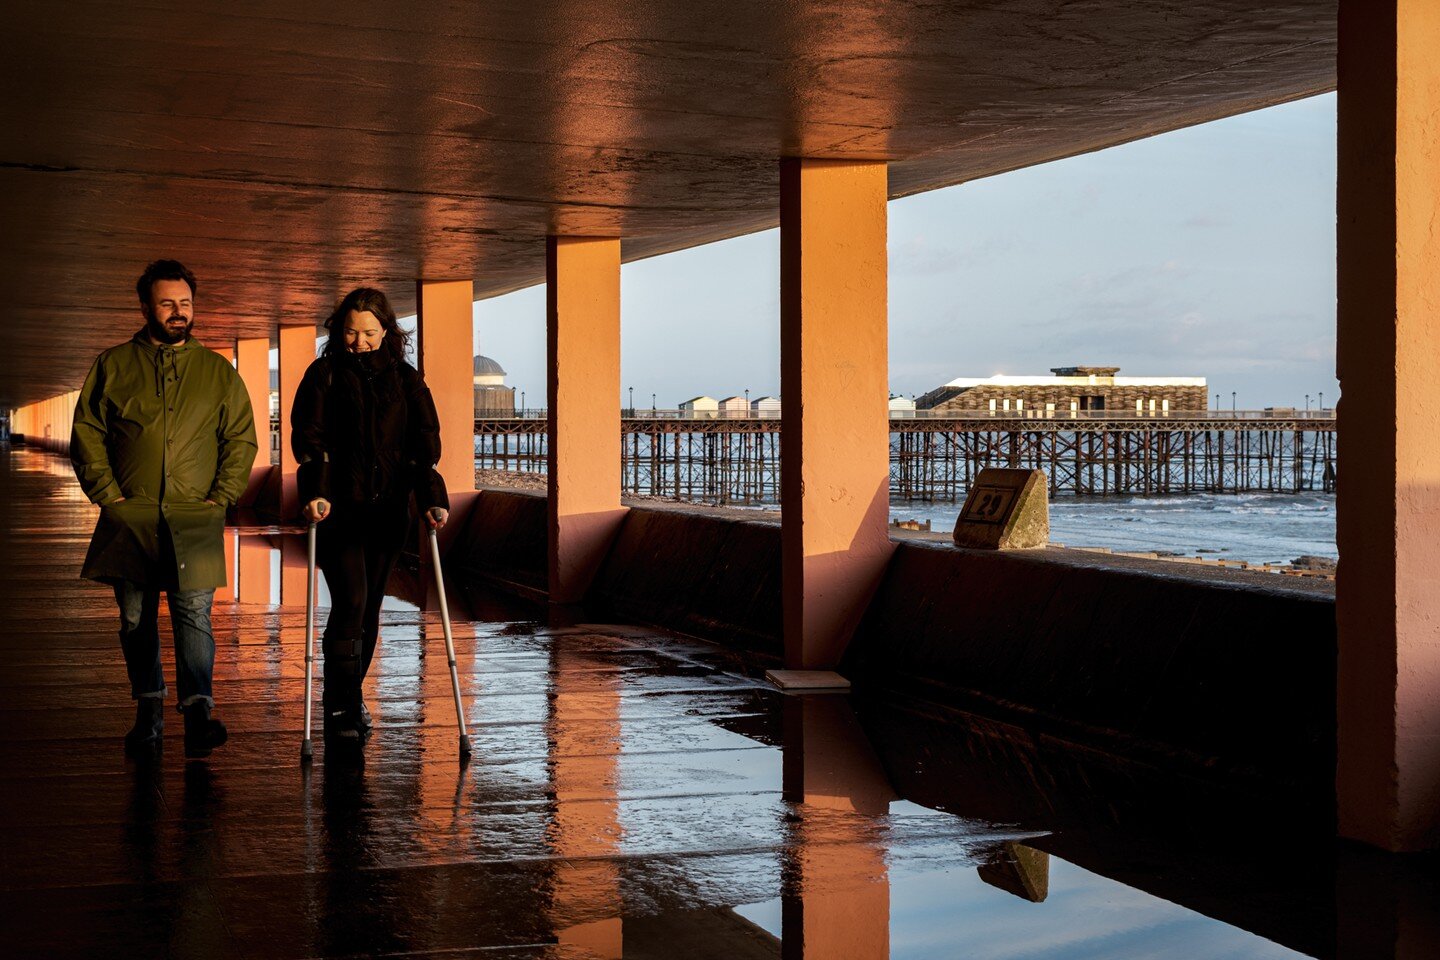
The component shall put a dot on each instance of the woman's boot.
(341, 699)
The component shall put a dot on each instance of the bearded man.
(163, 441)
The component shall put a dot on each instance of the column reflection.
(835, 899)
(584, 830)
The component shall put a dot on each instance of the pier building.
(700, 407)
(1069, 389)
(492, 397)
(636, 788)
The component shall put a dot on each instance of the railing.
(688, 456)
(648, 413)
(978, 416)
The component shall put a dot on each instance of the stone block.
(1007, 509)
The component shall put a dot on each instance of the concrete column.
(835, 436)
(836, 896)
(297, 352)
(252, 363)
(1388, 362)
(294, 571)
(446, 352)
(231, 590)
(583, 395)
(253, 573)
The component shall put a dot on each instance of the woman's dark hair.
(162, 270)
(361, 300)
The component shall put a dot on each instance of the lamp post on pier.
(1217, 401)
(1307, 403)
(1232, 402)
(1322, 403)
(632, 401)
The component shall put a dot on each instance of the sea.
(1258, 527)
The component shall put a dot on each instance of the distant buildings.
(1069, 389)
(730, 407)
(700, 407)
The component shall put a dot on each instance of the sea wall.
(1226, 674)
(1223, 672)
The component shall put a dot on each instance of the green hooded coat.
(167, 428)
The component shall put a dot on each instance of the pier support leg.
(297, 352)
(252, 362)
(835, 436)
(582, 329)
(445, 350)
(1388, 529)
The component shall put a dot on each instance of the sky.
(1205, 252)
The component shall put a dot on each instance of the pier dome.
(485, 367)
(488, 373)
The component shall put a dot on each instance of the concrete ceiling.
(288, 151)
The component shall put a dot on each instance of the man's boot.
(149, 726)
(203, 733)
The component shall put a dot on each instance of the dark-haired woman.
(365, 434)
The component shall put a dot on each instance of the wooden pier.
(736, 460)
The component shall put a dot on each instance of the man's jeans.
(140, 640)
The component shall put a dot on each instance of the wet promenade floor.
(632, 794)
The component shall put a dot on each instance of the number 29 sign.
(988, 505)
(1006, 509)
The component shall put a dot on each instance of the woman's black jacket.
(363, 428)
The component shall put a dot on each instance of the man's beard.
(160, 333)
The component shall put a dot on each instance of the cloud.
(920, 257)
(1204, 221)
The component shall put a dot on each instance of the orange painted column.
(297, 352)
(47, 423)
(835, 421)
(446, 352)
(583, 395)
(294, 570)
(836, 896)
(1388, 362)
(252, 362)
(252, 578)
(231, 590)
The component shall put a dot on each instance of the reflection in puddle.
(632, 794)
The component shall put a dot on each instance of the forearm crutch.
(307, 749)
(449, 643)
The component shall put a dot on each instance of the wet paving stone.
(632, 794)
